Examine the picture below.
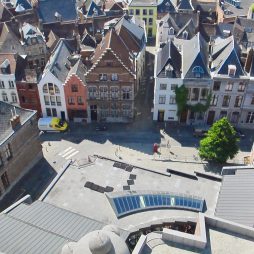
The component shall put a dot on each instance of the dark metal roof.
(185, 5)
(236, 199)
(48, 8)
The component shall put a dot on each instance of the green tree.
(221, 142)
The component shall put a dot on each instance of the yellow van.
(52, 124)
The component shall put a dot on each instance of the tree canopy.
(221, 142)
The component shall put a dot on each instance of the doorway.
(161, 115)
(183, 117)
(210, 117)
(63, 115)
(150, 32)
(93, 109)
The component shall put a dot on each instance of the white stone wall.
(48, 77)
(9, 91)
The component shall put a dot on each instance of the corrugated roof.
(56, 220)
(236, 199)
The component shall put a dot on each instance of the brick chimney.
(15, 120)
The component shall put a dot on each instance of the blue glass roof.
(133, 203)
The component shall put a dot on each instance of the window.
(235, 117)
(54, 112)
(250, 117)
(5, 97)
(171, 31)
(56, 89)
(238, 101)
(162, 99)
(103, 77)
(231, 70)
(150, 21)
(74, 88)
(30, 86)
(11, 84)
(71, 101)
(2, 84)
(214, 100)
(144, 11)
(241, 87)
(14, 98)
(163, 86)
(52, 100)
(103, 92)
(252, 100)
(92, 92)
(58, 101)
(226, 100)
(51, 88)
(195, 94)
(7, 151)
(126, 110)
(200, 115)
(173, 87)
(48, 112)
(198, 71)
(150, 12)
(114, 77)
(145, 20)
(172, 99)
(46, 99)
(114, 92)
(131, 12)
(223, 114)
(113, 109)
(45, 88)
(229, 86)
(185, 35)
(216, 86)
(126, 93)
(80, 100)
(137, 12)
(204, 93)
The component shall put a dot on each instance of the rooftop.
(103, 173)
(6, 111)
(143, 3)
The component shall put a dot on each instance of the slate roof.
(185, 5)
(29, 32)
(91, 9)
(5, 116)
(78, 69)
(165, 6)
(9, 42)
(58, 59)
(24, 3)
(143, 3)
(88, 41)
(189, 27)
(236, 199)
(48, 8)
(226, 52)
(197, 56)
(5, 14)
(169, 57)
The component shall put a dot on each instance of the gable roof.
(48, 8)
(91, 9)
(188, 27)
(165, 6)
(58, 59)
(185, 5)
(169, 57)
(24, 3)
(197, 56)
(227, 53)
(79, 70)
(114, 44)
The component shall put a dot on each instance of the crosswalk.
(68, 153)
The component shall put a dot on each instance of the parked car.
(52, 124)
(200, 132)
(101, 128)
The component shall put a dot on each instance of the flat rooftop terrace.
(219, 241)
(69, 193)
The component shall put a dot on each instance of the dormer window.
(185, 35)
(231, 70)
(171, 31)
(198, 71)
(5, 67)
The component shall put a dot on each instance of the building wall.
(29, 96)
(72, 97)
(7, 90)
(25, 150)
(48, 77)
(109, 105)
(140, 67)
(133, 11)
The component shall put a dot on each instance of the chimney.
(15, 120)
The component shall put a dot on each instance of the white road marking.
(69, 152)
(63, 152)
(71, 155)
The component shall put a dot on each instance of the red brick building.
(75, 91)
(111, 81)
(28, 91)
